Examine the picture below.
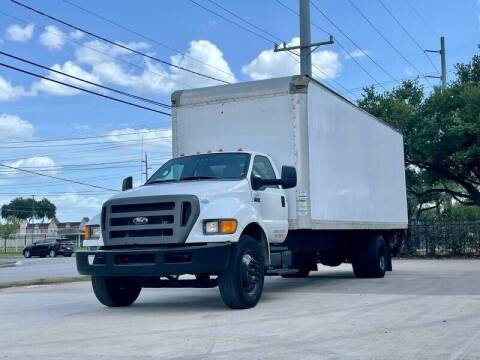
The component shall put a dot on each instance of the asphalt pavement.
(423, 310)
(21, 269)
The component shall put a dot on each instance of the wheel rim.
(27, 253)
(250, 273)
(52, 253)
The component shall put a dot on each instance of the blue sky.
(32, 110)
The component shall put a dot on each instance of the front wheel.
(52, 253)
(27, 254)
(116, 291)
(241, 284)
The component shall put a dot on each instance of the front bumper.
(154, 262)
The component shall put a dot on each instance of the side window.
(262, 168)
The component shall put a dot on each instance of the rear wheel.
(27, 254)
(116, 291)
(370, 258)
(52, 253)
(241, 284)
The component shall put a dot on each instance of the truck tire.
(369, 258)
(116, 291)
(241, 284)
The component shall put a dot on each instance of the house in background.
(72, 230)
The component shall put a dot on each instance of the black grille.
(149, 220)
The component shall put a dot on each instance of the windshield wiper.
(199, 177)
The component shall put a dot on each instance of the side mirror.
(289, 177)
(127, 183)
(257, 182)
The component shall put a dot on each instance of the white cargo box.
(350, 165)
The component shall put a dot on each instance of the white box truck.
(268, 177)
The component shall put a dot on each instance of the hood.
(200, 188)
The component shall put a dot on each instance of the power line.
(427, 25)
(408, 34)
(338, 43)
(130, 30)
(86, 81)
(66, 38)
(231, 21)
(76, 138)
(117, 44)
(353, 42)
(83, 89)
(246, 21)
(57, 178)
(385, 38)
(82, 144)
(290, 53)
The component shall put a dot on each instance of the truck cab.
(186, 219)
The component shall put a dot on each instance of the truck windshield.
(206, 166)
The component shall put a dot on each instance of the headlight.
(219, 226)
(86, 233)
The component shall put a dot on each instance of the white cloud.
(150, 137)
(21, 34)
(9, 92)
(155, 78)
(357, 54)
(36, 163)
(70, 68)
(269, 64)
(13, 128)
(77, 34)
(207, 53)
(93, 52)
(53, 38)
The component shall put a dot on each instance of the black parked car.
(50, 248)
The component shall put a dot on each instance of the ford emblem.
(140, 220)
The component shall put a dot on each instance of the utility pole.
(305, 40)
(146, 167)
(443, 75)
(33, 216)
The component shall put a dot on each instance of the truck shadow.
(341, 281)
(394, 283)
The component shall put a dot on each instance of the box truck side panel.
(262, 124)
(357, 177)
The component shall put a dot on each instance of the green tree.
(441, 134)
(28, 209)
(7, 229)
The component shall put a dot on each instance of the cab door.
(270, 201)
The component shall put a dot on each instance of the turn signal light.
(228, 226)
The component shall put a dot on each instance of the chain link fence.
(442, 239)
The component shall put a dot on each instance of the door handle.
(283, 200)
